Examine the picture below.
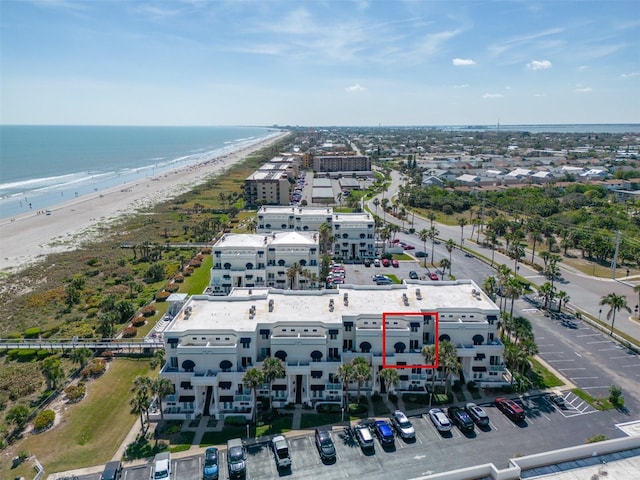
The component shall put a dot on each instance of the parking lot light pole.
(248, 431)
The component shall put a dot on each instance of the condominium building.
(341, 163)
(212, 341)
(353, 233)
(267, 187)
(264, 260)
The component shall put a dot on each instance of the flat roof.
(256, 240)
(296, 306)
(304, 211)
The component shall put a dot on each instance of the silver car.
(402, 425)
(440, 420)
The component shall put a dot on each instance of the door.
(298, 389)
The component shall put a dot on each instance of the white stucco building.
(212, 340)
(262, 260)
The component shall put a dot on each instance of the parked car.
(325, 445)
(112, 471)
(510, 408)
(367, 262)
(384, 433)
(365, 437)
(409, 247)
(402, 425)
(385, 262)
(236, 458)
(210, 464)
(378, 276)
(281, 454)
(477, 414)
(394, 263)
(461, 418)
(413, 275)
(440, 420)
(384, 281)
(421, 254)
(433, 276)
(162, 466)
(557, 398)
(376, 262)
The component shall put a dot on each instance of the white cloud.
(492, 95)
(462, 62)
(355, 88)
(539, 65)
(583, 90)
(463, 85)
(630, 75)
(582, 68)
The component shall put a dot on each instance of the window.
(246, 362)
(333, 336)
(495, 360)
(333, 354)
(264, 334)
(413, 345)
(245, 341)
(425, 337)
(347, 345)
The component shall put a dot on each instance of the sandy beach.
(29, 237)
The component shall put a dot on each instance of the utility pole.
(614, 262)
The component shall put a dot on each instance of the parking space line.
(607, 349)
(617, 358)
(599, 341)
(563, 360)
(592, 388)
(588, 335)
(582, 378)
(576, 368)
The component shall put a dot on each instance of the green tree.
(390, 377)
(158, 358)
(361, 372)
(154, 273)
(444, 264)
(616, 302)
(272, 368)
(139, 405)
(80, 356)
(433, 234)
(429, 354)
(53, 371)
(253, 378)
(490, 286)
(161, 387)
(450, 246)
(424, 236)
(346, 374)
(462, 222)
(448, 360)
(17, 416)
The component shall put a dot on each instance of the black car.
(421, 254)
(413, 275)
(112, 471)
(460, 418)
(367, 262)
(364, 436)
(325, 445)
(477, 414)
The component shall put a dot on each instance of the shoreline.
(29, 237)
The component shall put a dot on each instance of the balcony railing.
(333, 386)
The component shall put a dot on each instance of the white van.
(161, 466)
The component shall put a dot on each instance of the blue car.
(384, 432)
(210, 464)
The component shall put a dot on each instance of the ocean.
(42, 166)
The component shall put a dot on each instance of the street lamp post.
(599, 314)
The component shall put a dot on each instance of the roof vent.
(271, 305)
(346, 299)
(418, 294)
(405, 299)
(331, 305)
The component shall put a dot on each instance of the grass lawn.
(220, 438)
(380, 408)
(199, 279)
(90, 431)
(312, 420)
(278, 425)
(598, 403)
(393, 277)
(541, 377)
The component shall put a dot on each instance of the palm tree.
(292, 274)
(492, 238)
(390, 377)
(253, 378)
(346, 375)
(376, 202)
(504, 273)
(637, 289)
(462, 222)
(450, 245)
(53, 372)
(139, 406)
(272, 368)
(429, 354)
(563, 298)
(80, 356)
(444, 264)
(361, 372)
(141, 389)
(513, 290)
(158, 359)
(161, 387)
(433, 234)
(448, 360)
(616, 302)
(547, 292)
(490, 285)
(431, 216)
(424, 236)
(535, 237)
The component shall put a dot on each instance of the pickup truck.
(281, 452)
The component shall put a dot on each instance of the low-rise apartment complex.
(212, 341)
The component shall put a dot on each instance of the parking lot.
(546, 427)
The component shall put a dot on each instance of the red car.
(510, 408)
(395, 263)
(409, 247)
(385, 262)
(433, 276)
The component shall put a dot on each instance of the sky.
(312, 63)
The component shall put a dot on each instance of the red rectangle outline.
(435, 315)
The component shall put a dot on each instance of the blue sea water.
(41, 166)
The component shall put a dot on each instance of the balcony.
(298, 368)
(333, 386)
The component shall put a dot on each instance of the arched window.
(227, 266)
(225, 365)
(345, 235)
(249, 266)
(444, 338)
(284, 226)
(282, 355)
(365, 347)
(188, 365)
(268, 226)
(303, 263)
(362, 235)
(281, 263)
(400, 347)
(478, 339)
(305, 228)
(316, 355)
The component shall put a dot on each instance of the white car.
(440, 420)
(402, 425)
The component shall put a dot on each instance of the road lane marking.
(632, 365)
(582, 378)
(599, 341)
(578, 354)
(576, 368)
